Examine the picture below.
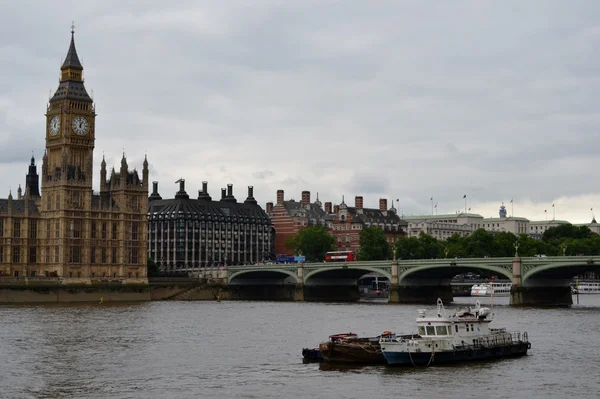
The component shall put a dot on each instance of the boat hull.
(445, 357)
(352, 352)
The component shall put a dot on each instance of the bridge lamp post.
(516, 249)
(564, 248)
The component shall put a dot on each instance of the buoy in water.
(101, 300)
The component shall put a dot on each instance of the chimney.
(181, 194)
(328, 208)
(336, 209)
(383, 204)
(305, 197)
(358, 202)
(280, 196)
(203, 194)
(155, 195)
(269, 207)
(223, 193)
(230, 190)
(250, 199)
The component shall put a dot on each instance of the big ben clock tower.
(70, 123)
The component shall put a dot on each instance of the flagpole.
(553, 212)
(512, 207)
(465, 203)
(432, 205)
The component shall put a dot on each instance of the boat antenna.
(441, 312)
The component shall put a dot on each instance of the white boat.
(491, 289)
(462, 336)
(586, 288)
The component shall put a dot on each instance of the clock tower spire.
(70, 127)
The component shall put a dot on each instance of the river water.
(253, 350)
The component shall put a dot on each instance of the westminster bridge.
(535, 280)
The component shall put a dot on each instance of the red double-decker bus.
(340, 256)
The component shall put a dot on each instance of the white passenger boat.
(586, 288)
(491, 289)
(463, 336)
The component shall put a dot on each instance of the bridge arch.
(350, 270)
(262, 273)
(556, 270)
(449, 270)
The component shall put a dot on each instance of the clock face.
(54, 125)
(80, 125)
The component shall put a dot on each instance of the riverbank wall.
(55, 290)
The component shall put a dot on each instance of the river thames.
(253, 350)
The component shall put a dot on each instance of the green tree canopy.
(566, 231)
(373, 244)
(153, 269)
(312, 242)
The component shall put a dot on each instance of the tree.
(431, 248)
(504, 244)
(479, 244)
(373, 244)
(153, 269)
(408, 248)
(566, 231)
(312, 242)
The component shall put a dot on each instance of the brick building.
(342, 221)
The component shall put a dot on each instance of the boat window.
(421, 330)
(456, 327)
(440, 330)
(466, 325)
(430, 330)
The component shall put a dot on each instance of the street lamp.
(516, 249)
(564, 248)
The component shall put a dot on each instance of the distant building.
(444, 226)
(537, 229)
(510, 224)
(342, 221)
(593, 226)
(189, 232)
(346, 223)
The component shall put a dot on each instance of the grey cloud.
(493, 99)
(263, 174)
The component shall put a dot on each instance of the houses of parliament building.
(59, 227)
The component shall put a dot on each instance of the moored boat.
(491, 289)
(462, 336)
(311, 355)
(350, 348)
(585, 288)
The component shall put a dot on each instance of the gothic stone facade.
(191, 233)
(68, 231)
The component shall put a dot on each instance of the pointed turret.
(145, 172)
(103, 175)
(71, 77)
(72, 60)
(19, 192)
(32, 179)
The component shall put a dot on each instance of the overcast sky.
(397, 99)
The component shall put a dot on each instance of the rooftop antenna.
(72, 27)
